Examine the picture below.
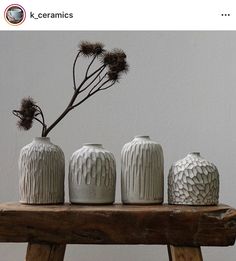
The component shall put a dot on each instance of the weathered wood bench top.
(118, 224)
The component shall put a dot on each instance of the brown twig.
(94, 82)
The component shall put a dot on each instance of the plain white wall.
(180, 90)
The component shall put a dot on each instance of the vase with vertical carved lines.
(41, 173)
(142, 172)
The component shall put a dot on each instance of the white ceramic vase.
(193, 181)
(42, 172)
(142, 172)
(92, 175)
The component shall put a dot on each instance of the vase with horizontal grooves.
(142, 172)
(41, 173)
(193, 181)
(92, 175)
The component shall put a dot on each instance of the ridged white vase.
(142, 172)
(92, 175)
(42, 172)
(193, 181)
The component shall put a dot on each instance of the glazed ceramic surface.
(92, 175)
(42, 172)
(193, 181)
(142, 172)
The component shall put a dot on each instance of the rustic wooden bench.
(184, 229)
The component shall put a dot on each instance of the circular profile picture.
(15, 14)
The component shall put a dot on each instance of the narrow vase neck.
(143, 137)
(94, 145)
(42, 139)
(195, 154)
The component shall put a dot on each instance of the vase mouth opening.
(41, 139)
(92, 145)
(142, 137)
(196, 153)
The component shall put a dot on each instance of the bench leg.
(184, 253)
(42, 252)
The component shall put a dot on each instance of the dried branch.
(86, 74)
(74, 65)
(113, 63)
(97, 76)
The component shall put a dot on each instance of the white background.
(180, 90)
(128, 15)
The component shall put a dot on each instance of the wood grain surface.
(45, 252)
(184, 253)
(118, 224)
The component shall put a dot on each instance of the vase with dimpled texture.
(193, 181)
